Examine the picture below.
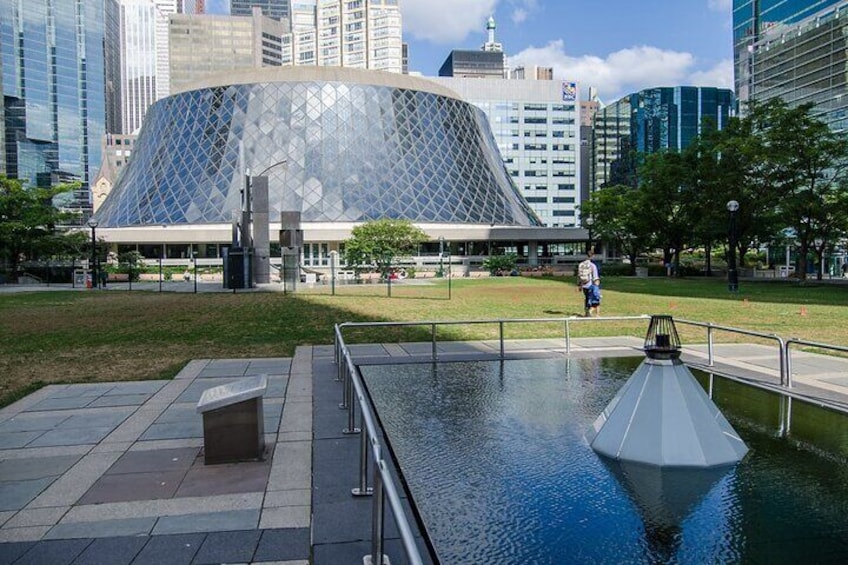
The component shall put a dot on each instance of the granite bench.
(233, 428)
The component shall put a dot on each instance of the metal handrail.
(799, 341)
(383, 482)
(499, 321)
(784, 381)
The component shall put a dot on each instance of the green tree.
(811, 164)
(28, 223)
(380, 242)
(618, 220)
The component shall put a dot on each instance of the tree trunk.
(708, 248)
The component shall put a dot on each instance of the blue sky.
(618, 46)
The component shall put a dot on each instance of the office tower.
(752, 19)
(535, 124)
(588, 109)
(804, 62)
(53, 92)
(276, 9)
(144, 57)
(205, 45)
(362, 34)
(653, 120)
(488, 62)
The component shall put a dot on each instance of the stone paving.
(113, 472)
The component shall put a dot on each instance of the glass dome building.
(357, 146)
(340, 146)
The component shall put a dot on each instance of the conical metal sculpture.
(662, 416)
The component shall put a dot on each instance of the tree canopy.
(787, 170)
(28, 225)
(380, 242)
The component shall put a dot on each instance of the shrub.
(500, 264)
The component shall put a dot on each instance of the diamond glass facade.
(353, 152)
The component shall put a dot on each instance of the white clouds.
(627, 70)
(721, 75)
(719, 5)
(445, 21)
(519, 15)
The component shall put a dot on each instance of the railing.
(784, 377)
(788, 356)
(384, 487)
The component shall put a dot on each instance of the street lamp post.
(92, 223)
(732, 274)
(589, 222)
(441, 255)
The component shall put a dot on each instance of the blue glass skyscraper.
(53, 91)
(650, 121)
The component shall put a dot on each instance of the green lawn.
(59, 336)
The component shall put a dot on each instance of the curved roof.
(337, 151)
(309, 73)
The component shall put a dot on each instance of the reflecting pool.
(495, 458)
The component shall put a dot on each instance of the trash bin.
(642, 272)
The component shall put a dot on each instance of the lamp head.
(589, 221)
(732, 206)
(92, 223)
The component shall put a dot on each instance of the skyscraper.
(53, 92)
(653, 120)
(753, 18)
(277, 9)
(488, 62)
(144, 57)
(801, 60)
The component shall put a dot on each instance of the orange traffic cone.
(803, 311)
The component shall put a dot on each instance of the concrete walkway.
(113, 472)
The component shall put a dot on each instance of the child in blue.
(593, 298)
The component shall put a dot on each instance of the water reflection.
(495, 460)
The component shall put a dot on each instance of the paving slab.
(283, 545)
(228, 547)
(102, 529)
(36, 467)
(161, 460)
(208, 522)
(10, 552)
(37, 517)
(14, 495)
(178, 549)
(133, 486)
(54, 552)
(111, 551)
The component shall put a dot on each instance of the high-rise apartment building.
(276, 9)
(362, 34)
(804, 62)
(535, 124)
(145, 67)
(53, 92)
(191, 6)
(653, 120)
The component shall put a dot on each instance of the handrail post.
(363, 489)
(500, 332)
(567, 338)
(433, 334)
(351, 406)
(788, 364)
(346, 384)
(710, 355)
(377, 509)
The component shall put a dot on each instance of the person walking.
(594, 299)
(587, 273)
